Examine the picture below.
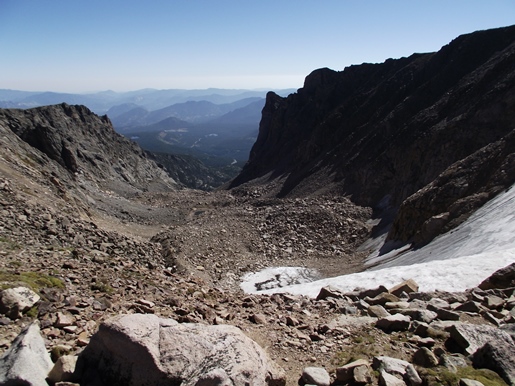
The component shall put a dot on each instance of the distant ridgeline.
(427, 138)
(217, 126)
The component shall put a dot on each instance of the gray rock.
(421, 315)
(398, 367)
(407, 286)
(392, 323)
(498, 356)
(15, 301)
(470, 306)
(470, 337)
(372, 292)
(503, 278)
(382, 299)
(453, 362)
(425, 358)
(316, 376)
(378, 311)
(386, 379)
(396, 305)
(143, 349)
(63, 369)
(493, 302)
(510, 329)
(444, 314)
(362, 375)
(346, 373)
(390, 365)
(412, 376)
(26, 362)
(438, 303)
(329, 292)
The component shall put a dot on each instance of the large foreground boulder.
(499, 357)
(147, 350)
(26, 362)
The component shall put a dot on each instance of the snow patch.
(278, 277)
(456, 261)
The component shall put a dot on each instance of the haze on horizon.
(79, 46)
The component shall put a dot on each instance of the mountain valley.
(406, 150)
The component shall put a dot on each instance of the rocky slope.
(381, 132)
(87, 146)
(96, 230)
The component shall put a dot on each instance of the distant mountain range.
(149, 99)
(206, 123)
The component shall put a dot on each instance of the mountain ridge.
(381, 132)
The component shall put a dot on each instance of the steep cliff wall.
(381, 132)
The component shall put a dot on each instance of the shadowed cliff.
(382, 132)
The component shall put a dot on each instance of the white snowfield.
(455, 261)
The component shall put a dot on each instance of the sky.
(95, 45)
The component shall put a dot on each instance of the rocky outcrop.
(87, 146)
(462, 188)
(503, 278)
(381, 132)
(147, 350)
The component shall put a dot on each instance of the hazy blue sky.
(79, 45)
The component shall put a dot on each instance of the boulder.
(407, 286)
(329, 292)
(494, 302)
(498, 356)
(471, 337)
(386, 379)
(453, 362)
(362, 375)
(143, 349)
(425, 358)
(444, 314)
(382, 299)
(397, 322)
(357, 372)
(378, 311)
(372, 292)
(15, 301)
(470, 306)
(26, 362)
(503, 278)
(316, 376)
(398, 367)
(258, 318)
(420, 315)
(63, 370)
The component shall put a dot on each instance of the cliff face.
(87, 147)
(381, 132)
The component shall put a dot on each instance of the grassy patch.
(34, 280)
(363, 347)
(443, 376)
